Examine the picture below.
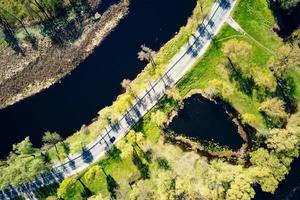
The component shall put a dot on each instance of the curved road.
(176, 69)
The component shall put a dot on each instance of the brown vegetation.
(22, 76)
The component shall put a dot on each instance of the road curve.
(177, 68)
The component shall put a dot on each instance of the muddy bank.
(23, 76)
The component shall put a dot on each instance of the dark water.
(96, 82)
(203, 119)
(288, 21)
(288, 189)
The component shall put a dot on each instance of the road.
(177, 68)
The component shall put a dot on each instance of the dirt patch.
(23, 76)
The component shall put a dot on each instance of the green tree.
(52, 139)
(19, 170)
(240, 188)
(282, 140)
(70, 189)
(274, 169)
(24, 148)
(295, 37)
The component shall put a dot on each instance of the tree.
(126, 84)
(147, 54)
(236, 50)
(274, 113)
(286, 58)
(20, 169)
(202, 4)
(273, 107)
(263, 175)
(24, 148)
(275, 169)
(240, 188)
(282, 140)
(52, 139)
(70, 189)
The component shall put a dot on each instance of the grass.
(210, 69)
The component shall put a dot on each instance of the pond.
(206, 121)
(96, 82)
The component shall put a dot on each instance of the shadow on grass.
(245, 83)
(142, 167)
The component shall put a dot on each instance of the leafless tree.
(147, 54)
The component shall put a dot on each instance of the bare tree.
(147, 54)
(126, 85)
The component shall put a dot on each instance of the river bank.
(22, 76)
(96, 82)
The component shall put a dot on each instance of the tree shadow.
(112, 186)
(129, 119)
(10, 38)
(72, 163)
(245, 84)
(286, 89)
(142, 167)
(86, 191)
(225, 4)
(273, 122)
(66, 148)
(114, 153)
(86, 155)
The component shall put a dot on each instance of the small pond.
(206, 121)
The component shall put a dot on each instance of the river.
(95, 83)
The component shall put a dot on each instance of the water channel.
(96, 82)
